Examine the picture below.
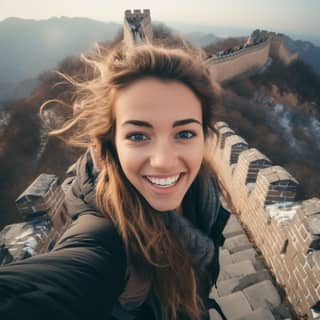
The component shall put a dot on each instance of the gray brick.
(226, 287)
(259, 314)
(248, 254)
(262, 295)
(225, 258)
(236, 270)
(259, 264)
(233, 227)
(313, 224)
(237, 284)
(237, 243)
(234, 305)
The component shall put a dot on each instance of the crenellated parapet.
(137, 27)
(286, 232)
(254, 54)
(245, 61)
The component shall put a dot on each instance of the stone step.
(237, 284)
(247, 254)
(233, 227)
(262, 295)
(260, 314)
(237, 243)
(225, 258)
(236, 270)
(234, 305)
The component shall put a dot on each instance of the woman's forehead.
(153, 98)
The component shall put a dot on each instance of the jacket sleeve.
(80, 279)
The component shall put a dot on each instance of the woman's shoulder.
(91, 230)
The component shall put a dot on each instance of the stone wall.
(241, 62)
(42, 209)
(286, 232)
(145, 25)
(252, 58)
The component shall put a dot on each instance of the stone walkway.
(245, 290)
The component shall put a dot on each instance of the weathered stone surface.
(260, 314)
(248, 254)
(262, 295)
(237, 243)
(234, 306)
(226, 287)
(44, 195)
(233, 227)
(311, 206)
(236, 270)
(283, 212)
(251, 279)
(237, 284)
(259, 264)
(21, 240)
(313, 224)
(225, 258)
(281, 312)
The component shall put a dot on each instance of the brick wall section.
(286, 232)
(225, 132)
(249, 59)
(234, 144)
(45, 195)
(146, 26)
(226, 68)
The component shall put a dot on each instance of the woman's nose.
(164, 157)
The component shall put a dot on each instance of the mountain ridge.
(30, 47)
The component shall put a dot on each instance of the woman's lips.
(164, 182)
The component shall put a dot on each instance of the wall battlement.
(286, 232)
(137, 27)
(250, 59)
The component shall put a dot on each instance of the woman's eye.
(137, 137)
(185, 135)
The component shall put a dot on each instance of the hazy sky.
(289, 16)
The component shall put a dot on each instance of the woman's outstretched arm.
(80, 279)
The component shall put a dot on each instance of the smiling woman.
(147, 218)
(160, 143)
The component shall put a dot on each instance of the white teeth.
(164, 182)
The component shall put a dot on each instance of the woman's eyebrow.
(138, 123)
(177, 123)
(186, 121)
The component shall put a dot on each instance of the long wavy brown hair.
(155, 252)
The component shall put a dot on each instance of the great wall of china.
(260, 195)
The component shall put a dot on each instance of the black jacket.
(80, 279)
(84, 274)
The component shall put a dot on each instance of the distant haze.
(297, 18)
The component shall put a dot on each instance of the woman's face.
(159, 139)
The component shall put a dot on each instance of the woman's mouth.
(164, 182)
